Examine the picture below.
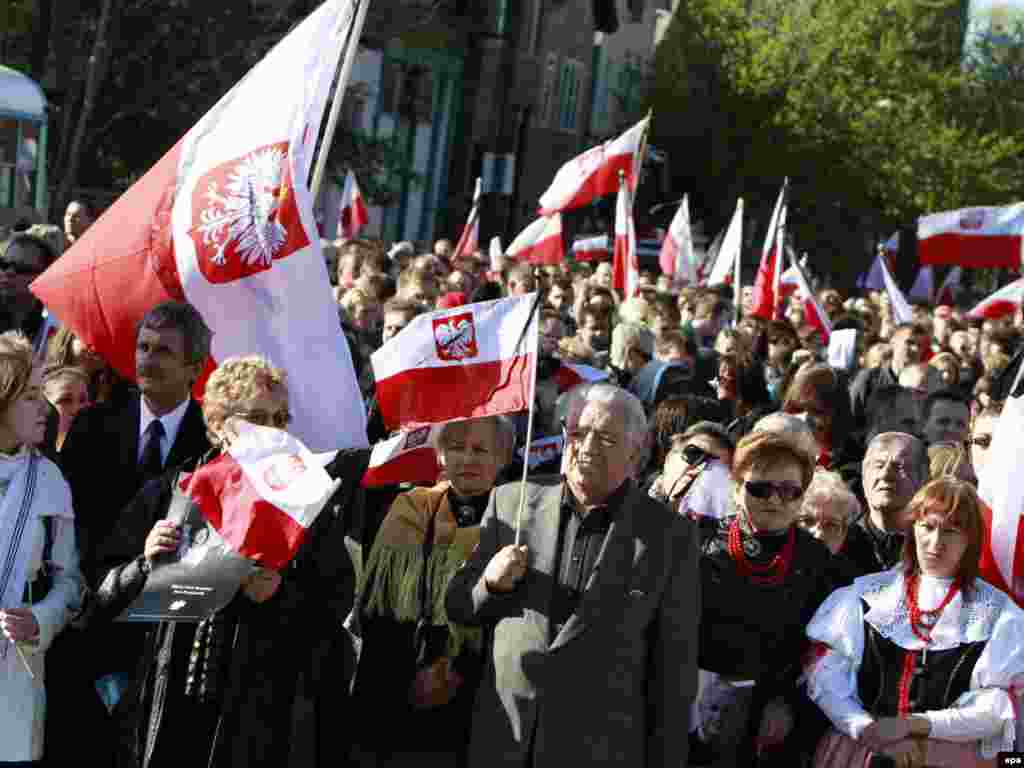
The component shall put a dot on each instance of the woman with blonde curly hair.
(222, 692)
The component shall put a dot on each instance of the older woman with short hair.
(828, 509)
(426, 536)
(40, 584)
(222, 692)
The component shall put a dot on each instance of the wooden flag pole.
(529, 422)
(351, 47)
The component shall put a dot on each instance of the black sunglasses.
(279, 419)
(764, 489)
(982, 441)
(17, 267)
(694, 455)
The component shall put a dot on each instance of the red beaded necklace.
(772, 572)
(922, 631)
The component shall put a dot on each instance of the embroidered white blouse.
(985, 713)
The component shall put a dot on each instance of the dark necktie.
(151, 464)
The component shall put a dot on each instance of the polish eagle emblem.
(455, 337)
(973, 219)
(283, 472)
(244, 215)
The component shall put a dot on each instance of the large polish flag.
(407, 457)
(625, 269)
(469, 242)
(985, 237)
(225, 221)
(677, 258)
(262, 494)
(595, 173)
(471, 361)
(1002, 552)
(540, 243)
(354, 215)
(1003, 302)
(726, 268)
(769, 271)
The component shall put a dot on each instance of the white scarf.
(15, 529)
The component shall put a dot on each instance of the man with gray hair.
(592, 608)
(895, 467)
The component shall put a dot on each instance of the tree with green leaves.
(863, 103)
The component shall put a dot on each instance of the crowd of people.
(748, 551)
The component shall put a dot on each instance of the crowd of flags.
(225, 221)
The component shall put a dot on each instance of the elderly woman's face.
(267, 408)
(470, 457)
(770, 495)
(826, 521)
(600, 453)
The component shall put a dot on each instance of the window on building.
(569, 88)
(546, 97)
(629, 89)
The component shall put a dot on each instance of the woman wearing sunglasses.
(762, 579)
(917, 665)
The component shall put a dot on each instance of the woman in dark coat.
(222, 693)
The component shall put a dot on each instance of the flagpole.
(354, 34)
(780, 246)
(737, 289)
(529, 423)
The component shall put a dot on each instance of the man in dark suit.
(592, 615)
(110, 453)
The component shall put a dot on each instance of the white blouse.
(984, 713)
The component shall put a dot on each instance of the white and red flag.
(769, 271)
(471, 361)
(727, 264)
(569, 375)
(949, 288)
(595, 173)
(407, 457)
(814, 314)
(496, 255)
(469, 243)
(901, 311)
(1003, 302)
(1002, 552)
(983, 237)
(225, 221)
(354, 215)
(540, 243)
(788, 282)
(625, 269)
(678, 258)
(263, 493)
(924, 285)
(592, 249)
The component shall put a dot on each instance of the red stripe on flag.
(978, 251)
(250, 525)
(430, 395)
(988, 569)
(417, 466)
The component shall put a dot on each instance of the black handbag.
(429, 641)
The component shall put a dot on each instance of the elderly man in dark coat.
(592, 615)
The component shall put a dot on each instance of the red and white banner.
(595, 173)
(497, 256)
(262, 494)
(408, 457)
(592, 249)
(924, 285)
(901, 311)
(471, 361)
(769, 271)
(568, 375)
(985, 237)
(727, 265)
(225, 221)
(1003, 302)
(950, 288)
(789, 282)
(1002, 554)
(625, 268)
(469, 243)
(354, 215)
(540, 243)
(678, 258)
(814, 314)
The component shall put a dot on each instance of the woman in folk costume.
(40, 585)
(916, 666)
(418, 672)
(762, 579)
